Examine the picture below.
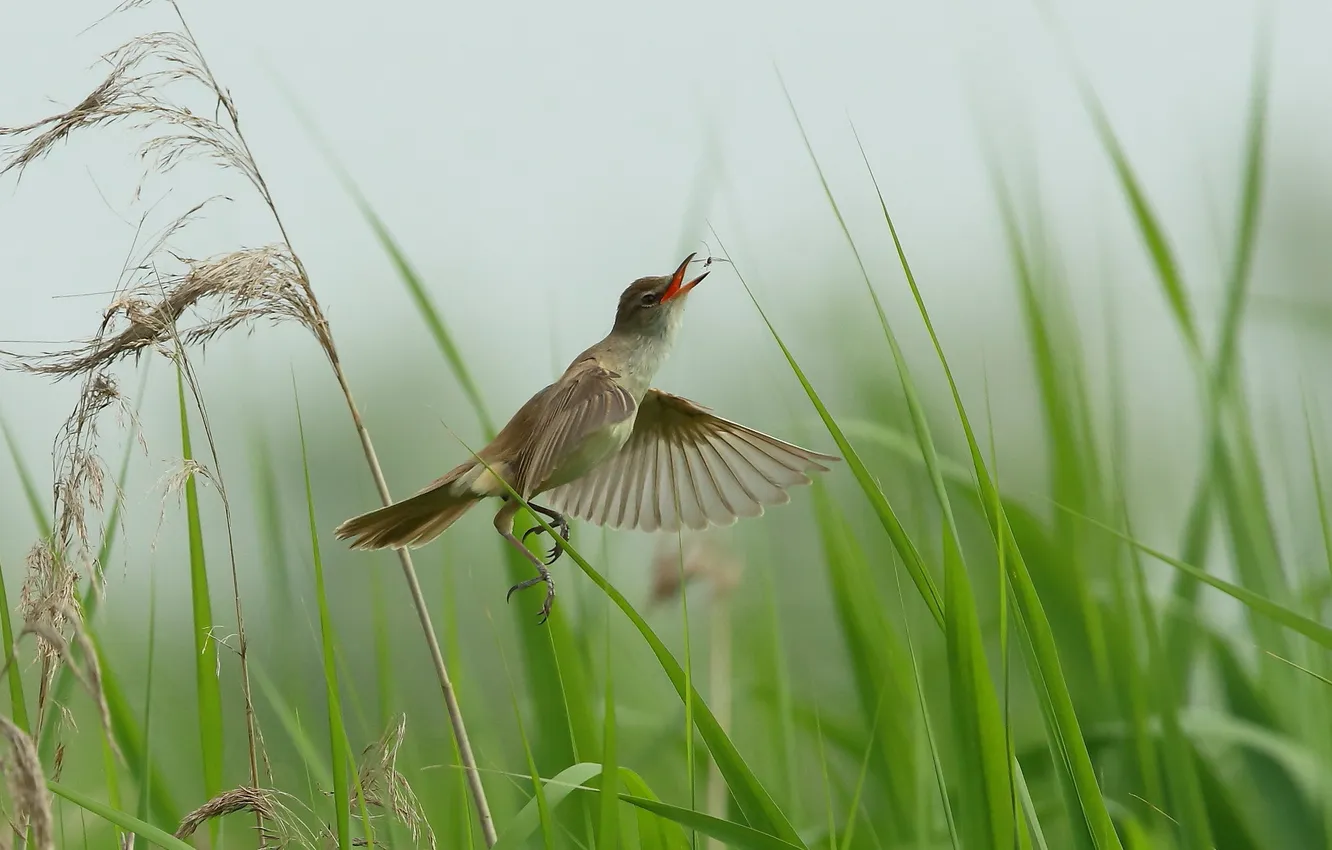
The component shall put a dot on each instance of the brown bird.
(607, 448)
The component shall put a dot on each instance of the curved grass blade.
(731, 833)
(18, 704)
(1293, 620)
(1050, 685)
(1149, 226)
(608, 829)
(566, 728)
(311, 758)
(987, 794)
(206, 664)
(337, 732)
(35, 506)
(906, 549)
(576, 778)
(754, 801)
(553, 792)
(538, 788)
(125, 821)
(146, 764)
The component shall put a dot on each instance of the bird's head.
(655, 305)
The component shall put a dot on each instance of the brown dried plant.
(383, 787)
(26, 786)
(281, 827)
(163, 291)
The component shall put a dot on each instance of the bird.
(603, 445)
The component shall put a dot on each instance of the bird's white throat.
(643, 353)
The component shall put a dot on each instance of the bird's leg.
(561, 524)
(504, 525)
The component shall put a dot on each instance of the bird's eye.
(650, 298)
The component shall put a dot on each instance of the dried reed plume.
(27, 786)
(57, 563)
(90, 678)
(242, 287)
(282, 827)
(382, 786)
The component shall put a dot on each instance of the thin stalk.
(325, 338)
(719, 691)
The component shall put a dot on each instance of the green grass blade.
(125, 821)
(1051, 686)
(878, 661)
(425, 306)
(608, 830)
(566, 728)
(337, 732)
(269, 516)
(205, 649)
(125, 726)
(987, 796)
(754, 801)
(906, 549)
(1292, 620)
(146, 763)
(1222, 377)
(1149, 226)
(18, 704)
(731, 833)
(312, 759)
(36, 506)
(985, 793)
(539, 799)
(553, 792)
(1181, 768)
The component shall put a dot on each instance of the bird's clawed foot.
(544, 575)
(560, 524)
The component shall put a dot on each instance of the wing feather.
(684, 467)
(585, 400)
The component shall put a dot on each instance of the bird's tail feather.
(412, 522)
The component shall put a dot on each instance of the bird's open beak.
(678, 288)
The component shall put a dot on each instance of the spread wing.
(584, 400)
(682, 465)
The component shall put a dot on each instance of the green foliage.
(986, 673)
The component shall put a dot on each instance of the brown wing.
(584, 400)
(682, 465)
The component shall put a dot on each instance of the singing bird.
(606, 447)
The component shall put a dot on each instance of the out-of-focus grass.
(1050, 700)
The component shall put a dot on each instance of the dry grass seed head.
(27, 786)
(55, 565)
(132, 93)
(49, 599)
(230, 291)
(378, 777)
(282, 827)
(88, 674)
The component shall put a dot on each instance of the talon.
(550, 601)
(522, 585)
(536, 529)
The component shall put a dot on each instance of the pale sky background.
(537, 157)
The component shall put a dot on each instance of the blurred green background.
(1131, 301)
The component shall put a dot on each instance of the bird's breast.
(595, 448)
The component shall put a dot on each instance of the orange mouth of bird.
(678, 287)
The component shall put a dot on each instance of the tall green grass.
(999, 674)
